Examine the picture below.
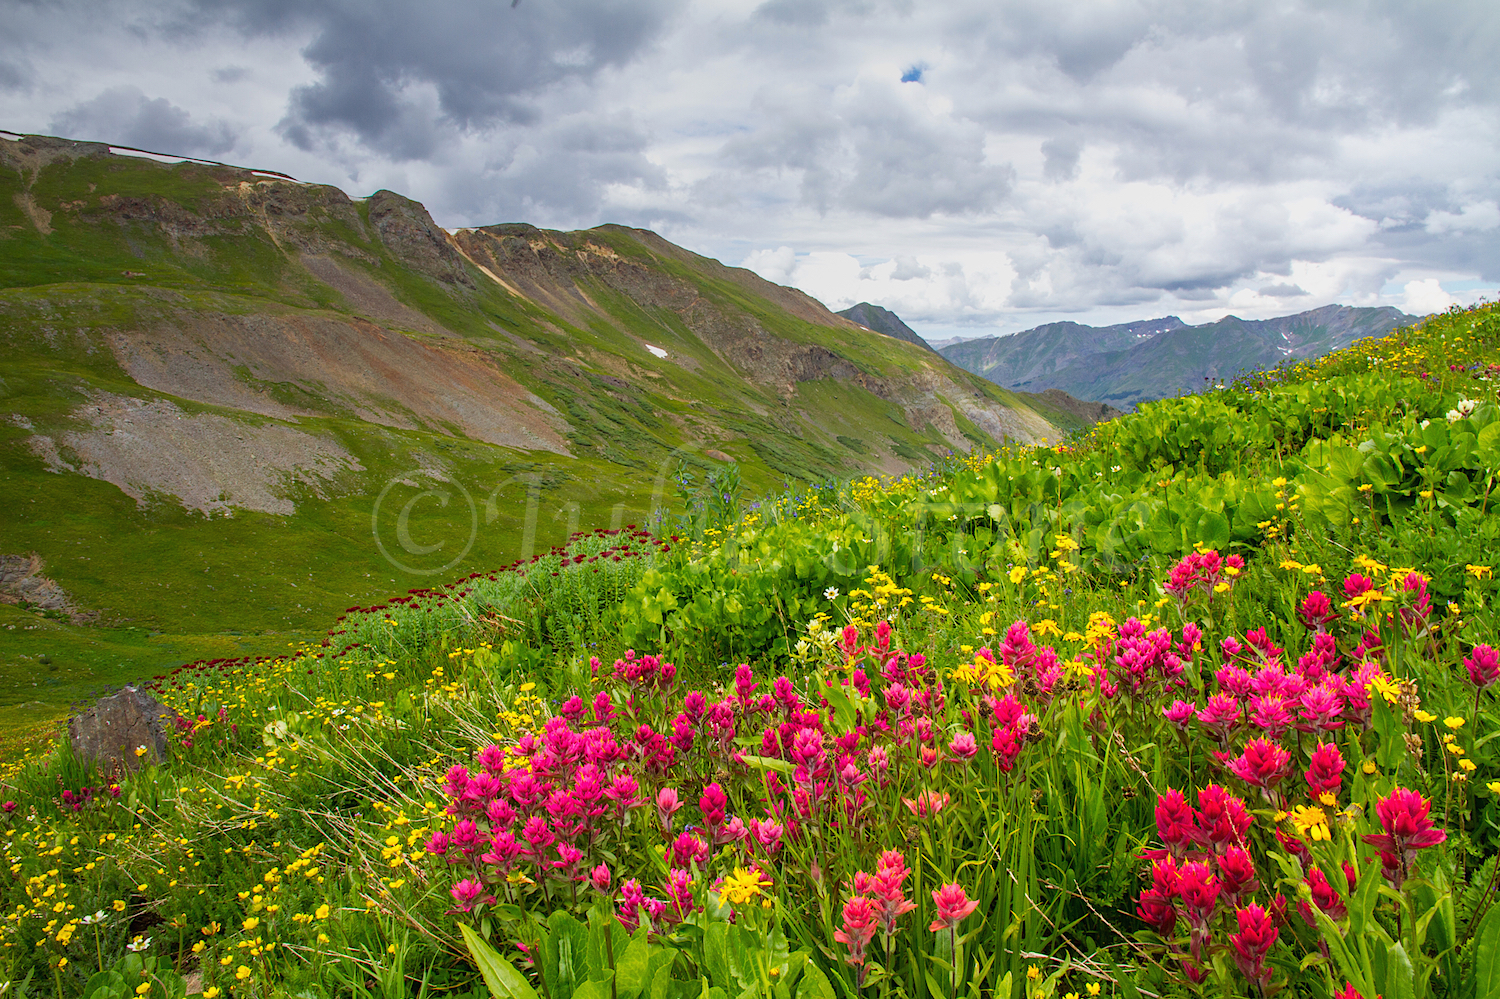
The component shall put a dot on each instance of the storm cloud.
(127, 117)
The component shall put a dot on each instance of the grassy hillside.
(233, 404)
(1203, 703)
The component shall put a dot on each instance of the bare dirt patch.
(40, 217)
(339, 366)
(366, 296)
(208, 462)
(21, 581)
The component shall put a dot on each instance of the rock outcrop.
(122, 732)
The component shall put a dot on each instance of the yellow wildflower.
(1311, 822)
(1381, 684)
(742, 886)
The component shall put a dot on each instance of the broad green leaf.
(1489, 446)
(815, 984)
(565, 954)
(716, 951)
(780, 766)
(1351, 964)
(739, 945)
(633, 967)
(1399, 975)
(839, 701)
(105, 985)
(1435, 434)
(1392, 746)
(661, 982)
(503, 980)
(1487, 947)
(592, 990)
(1212, 530)
(605, 937)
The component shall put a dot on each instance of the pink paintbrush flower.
(953, 905)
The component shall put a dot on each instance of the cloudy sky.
(977, 166)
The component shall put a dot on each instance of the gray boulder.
(109, 733)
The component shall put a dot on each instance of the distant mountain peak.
(884, 321)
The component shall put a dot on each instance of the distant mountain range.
(884, 321)
(1155, 358)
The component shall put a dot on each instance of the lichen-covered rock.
(109, 733)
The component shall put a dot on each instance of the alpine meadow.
(565, 614)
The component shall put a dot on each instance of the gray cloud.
(125, 116)
(13, 76)
(794, 13)
(395, 75)
(1060, 158)
(556, 175)
(879, 150)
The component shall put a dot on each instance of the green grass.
(82, 662)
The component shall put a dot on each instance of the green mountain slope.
(1152, 359)
(231, 401)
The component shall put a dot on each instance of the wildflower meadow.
(1203, 703)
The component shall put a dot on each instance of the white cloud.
(778, 265)
(1482, 216)
(1421, 298)
(948, 291)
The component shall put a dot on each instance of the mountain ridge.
(215, 373)
(1128, 363)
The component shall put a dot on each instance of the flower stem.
(953, 955)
